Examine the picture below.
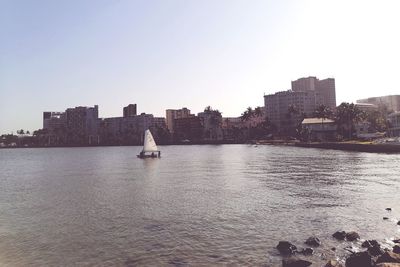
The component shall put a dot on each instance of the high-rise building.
(391, 102)
(53, 121)
(82, 125)
(130, 110)
(172, 114)
(277, 105)
(188, 128)
(129, 130)
(326, 92)
(306, 95)
(304, 84)
(324, 89)
(212, 124)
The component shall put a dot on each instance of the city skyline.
(168, 55)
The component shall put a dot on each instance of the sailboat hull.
(153, 155)
(148, 156)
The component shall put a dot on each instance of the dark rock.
(360, 259)
(396, 241)
(396, 249)
(313, 241)
(373, 247)
(370, 243)
(389, 209)
(286, 248)
(333, 263)
(352, 236)
(340, 235)
(307, 251)
(398, 223)
(385, 218)
(295, 262)
(389, 257)
(375, 251)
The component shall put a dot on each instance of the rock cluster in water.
(372, 256)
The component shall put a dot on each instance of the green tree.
(247, 114)
(377, 120)
(258, 112)
(348, 115)
(214, 117)
(323, 111)
(293, 120)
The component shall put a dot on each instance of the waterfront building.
(394, 124)
(366, 107)
(230, 122)
(53, 121)
(54, 126)
(391, 102)
(325, 92)
(189, 128)
(233, 128)
(82, 125)
(212, 124)
(277, 106)
(129, 130)
(319, 129)
(285, 108)
(130, 110)
(172, 114)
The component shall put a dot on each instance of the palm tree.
(348, 114)
(215, 121)
(247, 114)
(208, 109)
(294, 116)
(323, 111)
(258, 112)
(377, 120)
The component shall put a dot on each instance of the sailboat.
(150, 149)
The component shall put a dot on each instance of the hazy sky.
(186, 53)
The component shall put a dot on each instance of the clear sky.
(188, 53)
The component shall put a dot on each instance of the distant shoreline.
(354, 146)
(345, 146)
(167, 144)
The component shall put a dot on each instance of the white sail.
(149, 143)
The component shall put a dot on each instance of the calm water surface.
(198, 205)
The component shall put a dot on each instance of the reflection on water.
(197, 205)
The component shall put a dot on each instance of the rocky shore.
(359, 252)
(354, 146)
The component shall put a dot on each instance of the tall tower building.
(130, 110)
(326, 92)
(82, 125)
(304, 84)
(172, 114)
(324, 89)
(306, 95)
